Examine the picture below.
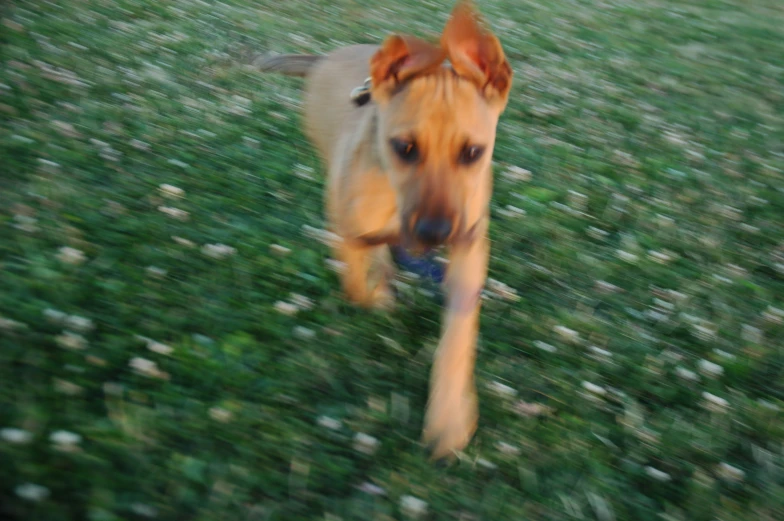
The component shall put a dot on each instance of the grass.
(648, 269)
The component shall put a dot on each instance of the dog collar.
(425, 266)
(361, 95)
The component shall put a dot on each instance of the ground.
(174, 345)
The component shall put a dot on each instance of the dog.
(406, 131)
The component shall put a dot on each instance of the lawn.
(174, 344)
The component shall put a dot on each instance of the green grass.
(664, 119)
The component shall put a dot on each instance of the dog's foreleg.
(451, 416)
(366, 271)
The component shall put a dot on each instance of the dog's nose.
(432, 231)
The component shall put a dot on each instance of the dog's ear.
(400, 58)
(476, 53)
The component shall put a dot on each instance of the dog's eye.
(405, 150)
(470, 154)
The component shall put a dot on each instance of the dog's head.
(437, 125)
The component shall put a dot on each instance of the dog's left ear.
(476, 54)
(400, 58)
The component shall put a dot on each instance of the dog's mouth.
(422, 243)
(418, 248)
(407, 239)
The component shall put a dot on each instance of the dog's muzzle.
(432, 232)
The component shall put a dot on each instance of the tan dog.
(412, 166)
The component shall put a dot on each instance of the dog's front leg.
(366, 271)
(451, 415)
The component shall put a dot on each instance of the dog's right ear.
(398, 59)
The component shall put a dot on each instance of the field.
(174, 343)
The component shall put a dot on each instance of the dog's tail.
(288, 64)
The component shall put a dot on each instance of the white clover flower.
(592, 388)
(489, 465)
(68, 255)
(606, 287)
(177, 162)
(673, 138)
(715, 403)
(658, 475)
(48, 165)
(751, 334)
(577, 200)
(277, 249)
(54, 315)
(218, 251)
(171, 191)
(710, 369)
(147, 368)
(730, 473)
(686, 374)
(336, 265)
(722, 279)
(10, 325)
(71, 341)
(516, 173)
(370, 488)
(626, 256)
(26, 223)
(544, 346)
(65, 439)
(78, 324)
(329, 423)
(16, 436)
(183, 242)
(301, 301)
(174, 213)
(142, 364)
(158, 347)
(220, 414)
(32, 492)
(156, 272)
(139, 145)
(67, 388)
(569, 335)
(501, 290)
(724, 354)
(287, 308)
(774, 315)
(304, 333)
(365, 443)
(597, 233)
(665, 221)
(704, 332)
(659, 257)
(502, 390)
(507, 449)
(413, 507)
(530, 409)
(512, 212)
(325, 237)
(144, 510)
(768, 405)
(677, 295)
(600, 354)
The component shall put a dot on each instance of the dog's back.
(328, 110)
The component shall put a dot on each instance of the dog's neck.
(361, 95)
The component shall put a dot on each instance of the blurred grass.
(653, 235)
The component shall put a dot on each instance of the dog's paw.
(382, 297)
(450, 424)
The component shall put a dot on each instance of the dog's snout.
(432, 231)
